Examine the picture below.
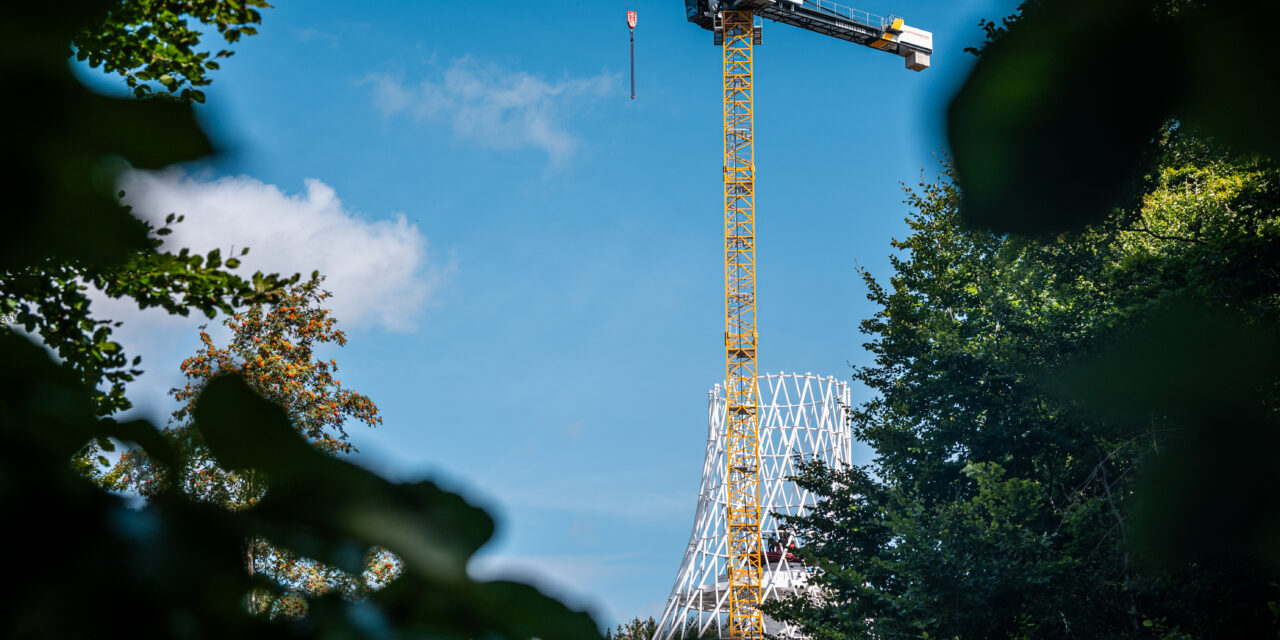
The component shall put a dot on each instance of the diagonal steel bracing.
(802, 415)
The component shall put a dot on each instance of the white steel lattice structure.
(799, 414)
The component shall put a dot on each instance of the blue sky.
(528, 263)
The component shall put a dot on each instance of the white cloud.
(574, 430)
(377, 269)
(495, 107)
(311, 34)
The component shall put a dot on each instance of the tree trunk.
(253, 592)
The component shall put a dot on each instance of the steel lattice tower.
(801, 415)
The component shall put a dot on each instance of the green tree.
(51, 299)
(173, 569)
(273, 348)
(120, 255)
(1049, 156)
(1003, 498)
(636, 629)
(45, 283)
(1101, 383)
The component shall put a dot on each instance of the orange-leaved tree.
(273, 348)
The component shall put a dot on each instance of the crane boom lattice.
(742, 397)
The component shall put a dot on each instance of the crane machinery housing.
(734, 28)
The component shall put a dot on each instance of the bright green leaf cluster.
(155, 46)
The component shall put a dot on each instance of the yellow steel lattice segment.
(742, 392)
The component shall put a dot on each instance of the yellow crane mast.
(741, 387)
(734, 28)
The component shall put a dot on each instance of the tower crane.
(734, 28)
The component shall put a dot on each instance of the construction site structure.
(800, 415)
(736, 29)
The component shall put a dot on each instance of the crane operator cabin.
(828, 18)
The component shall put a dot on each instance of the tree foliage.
(153, 44)
(1036, 437)
(273, 348)
(53, 300)
(636, 629)
(174, 569)
(76, 144)
(1076, 362)
(644, 629)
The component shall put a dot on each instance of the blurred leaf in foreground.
(1207, 380)
(68, 232)
(1052, 127)
(272, 347)
(333, 511)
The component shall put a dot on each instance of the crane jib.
(827, 18)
